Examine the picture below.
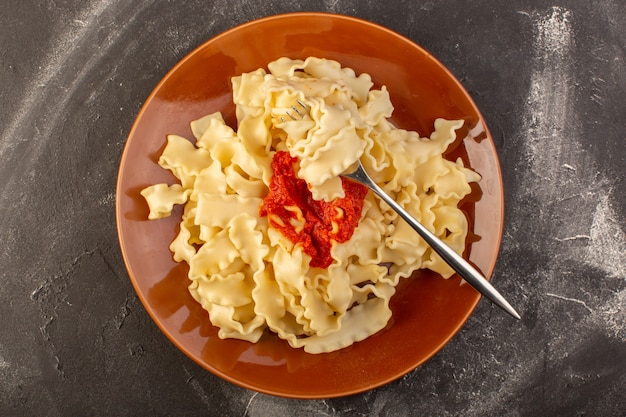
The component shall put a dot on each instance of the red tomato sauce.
(316, 235)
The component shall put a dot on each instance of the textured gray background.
(550, 79)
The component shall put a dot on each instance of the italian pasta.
(244, 269)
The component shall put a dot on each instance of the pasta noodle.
(245, 269)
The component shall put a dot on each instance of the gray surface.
(549, 79)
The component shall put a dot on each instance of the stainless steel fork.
(456, 261)
(460, 265)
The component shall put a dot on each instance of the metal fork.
(460, 265)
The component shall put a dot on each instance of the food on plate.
(275, 238)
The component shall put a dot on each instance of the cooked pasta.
(263, 202)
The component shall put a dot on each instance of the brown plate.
(427, 310)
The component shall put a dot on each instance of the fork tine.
(303, 105)
(294, 108)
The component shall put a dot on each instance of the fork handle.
(460, 265)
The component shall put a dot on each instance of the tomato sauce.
(314, 230)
